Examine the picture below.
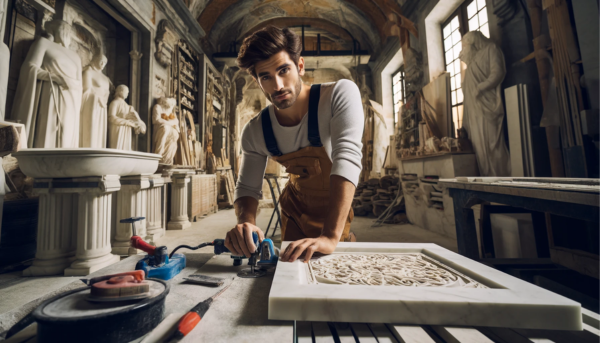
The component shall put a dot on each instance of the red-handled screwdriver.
(188, 322)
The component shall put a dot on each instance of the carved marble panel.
(412, 269)
(425, 284)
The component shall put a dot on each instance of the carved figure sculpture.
(48, 96)
(483, 109)
(166, 129)
(122, 120)
(96, 88)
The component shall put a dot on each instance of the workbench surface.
(240, 315)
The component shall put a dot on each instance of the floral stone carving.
(411, 269)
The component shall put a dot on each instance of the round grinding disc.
(77, 305)
(71, 317)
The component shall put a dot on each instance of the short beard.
(287, 102)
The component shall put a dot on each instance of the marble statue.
(483, 109)
(96, 88)
(166, 129)
(413, 270)
(48, 96)
(123, 121)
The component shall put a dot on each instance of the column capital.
(137, 182)
(157, 180)
(100, 184)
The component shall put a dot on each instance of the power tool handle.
(138, 243)
(220, 247)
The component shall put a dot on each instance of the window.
(477, 17)
(398, 88)
(471, 14)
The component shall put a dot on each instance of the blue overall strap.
(270, 141)
(313, 116)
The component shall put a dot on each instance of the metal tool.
(189, 321)
(265, 256)
(157, 264)
(204, 280)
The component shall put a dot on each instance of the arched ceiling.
(227, 21)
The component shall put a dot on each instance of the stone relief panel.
(410, 269)
(166, 40)
(161, 87)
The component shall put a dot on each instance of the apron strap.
(313, 123)
(313, 116)
(270, 141)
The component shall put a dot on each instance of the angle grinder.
(265, 256)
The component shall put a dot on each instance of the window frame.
(402, 82)
(463, 22)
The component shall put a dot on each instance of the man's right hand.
(239, 239)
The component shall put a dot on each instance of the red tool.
(189, 321)
(118, 287)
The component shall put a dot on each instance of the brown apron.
(305, 198)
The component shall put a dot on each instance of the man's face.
(280, 79)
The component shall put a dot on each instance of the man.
(483, 109)
(315, 133)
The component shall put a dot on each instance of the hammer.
(160, 253)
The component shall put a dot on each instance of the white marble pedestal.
(132, 201)
(156, 210)
(179, 200)
(57, 233)
(74, 225)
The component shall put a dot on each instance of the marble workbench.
(240, 313)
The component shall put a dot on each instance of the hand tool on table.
(189, 320)
(157, 264)
(265, 256)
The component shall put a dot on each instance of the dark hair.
(266, 42)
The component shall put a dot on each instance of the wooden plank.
(460, 334)
(410, 334)
(322, 333)
(559, 336)
(580, 261)
(344, 333)
(382, 333)
(363, 333)
(502, 335)
(304, 332)
(590, 318)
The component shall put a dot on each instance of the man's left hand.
(308, 246)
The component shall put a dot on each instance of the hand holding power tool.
(265, 255)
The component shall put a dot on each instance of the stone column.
(56, 235)
(132, 201)
(179, 201)
(155, 228)
(89, 199)
(165, 200)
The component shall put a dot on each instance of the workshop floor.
(217, 225)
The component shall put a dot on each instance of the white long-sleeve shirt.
(341, 125)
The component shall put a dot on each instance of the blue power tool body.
(157, 264)
(266, 255)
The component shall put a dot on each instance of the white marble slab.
(508, 302)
